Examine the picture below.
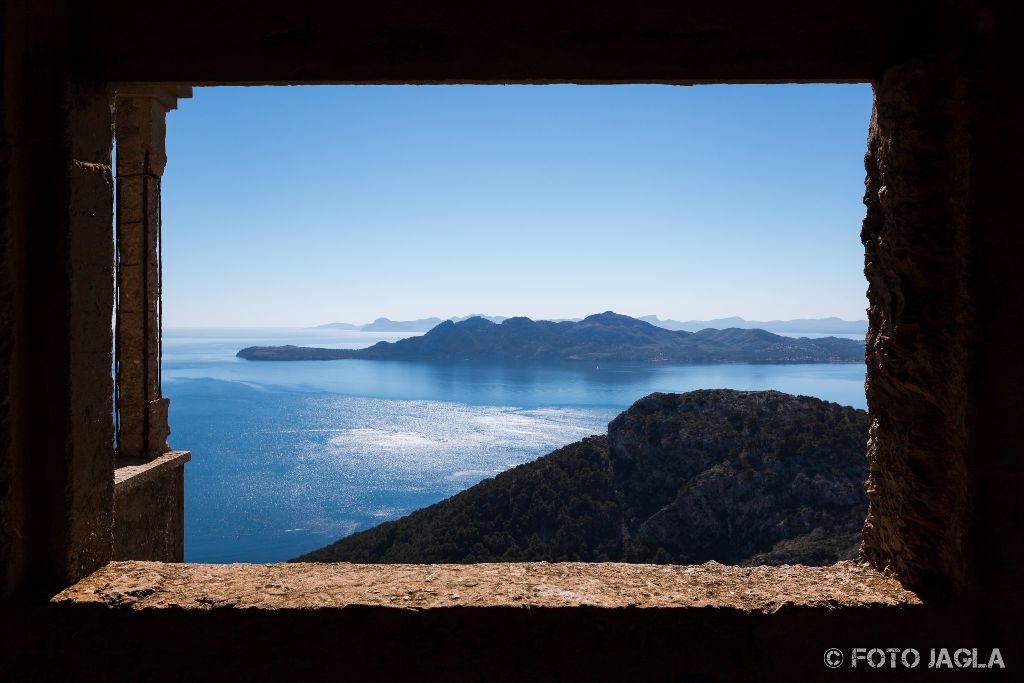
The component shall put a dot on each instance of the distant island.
(830, 325)
(739, 477)
(601, 337)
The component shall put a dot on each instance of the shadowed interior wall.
(56, 489)
(943, 241)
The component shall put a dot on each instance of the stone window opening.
(148, 575)
(140, 113)
(144, 135)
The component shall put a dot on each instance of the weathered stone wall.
(917, 238)
(943, 241)
(140, 127)
(55, 289)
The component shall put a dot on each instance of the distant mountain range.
(739, 477)
(602, 337)
(802, 325)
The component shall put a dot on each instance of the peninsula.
(601, 337)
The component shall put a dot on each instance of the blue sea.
(290, 456)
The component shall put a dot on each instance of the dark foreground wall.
(943, 240)
(465, 644)
(483, 622)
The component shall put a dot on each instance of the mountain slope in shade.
(733, 476)
(602, 337)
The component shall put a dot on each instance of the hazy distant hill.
(602, 337)
(419, 325)
(386, 325)
(338, 326)
(733, 476)
(801, 325)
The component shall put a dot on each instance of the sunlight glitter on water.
(261, 490)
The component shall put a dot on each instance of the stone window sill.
(139, 585)
(132, 472)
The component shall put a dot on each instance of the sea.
(290, 456)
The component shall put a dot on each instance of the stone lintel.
(140, 111)
(167, 94)
(304, 586)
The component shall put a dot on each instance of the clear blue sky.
(297, 206)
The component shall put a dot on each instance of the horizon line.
(486, 315)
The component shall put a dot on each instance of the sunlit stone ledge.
(154, 585)
(134, 472)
